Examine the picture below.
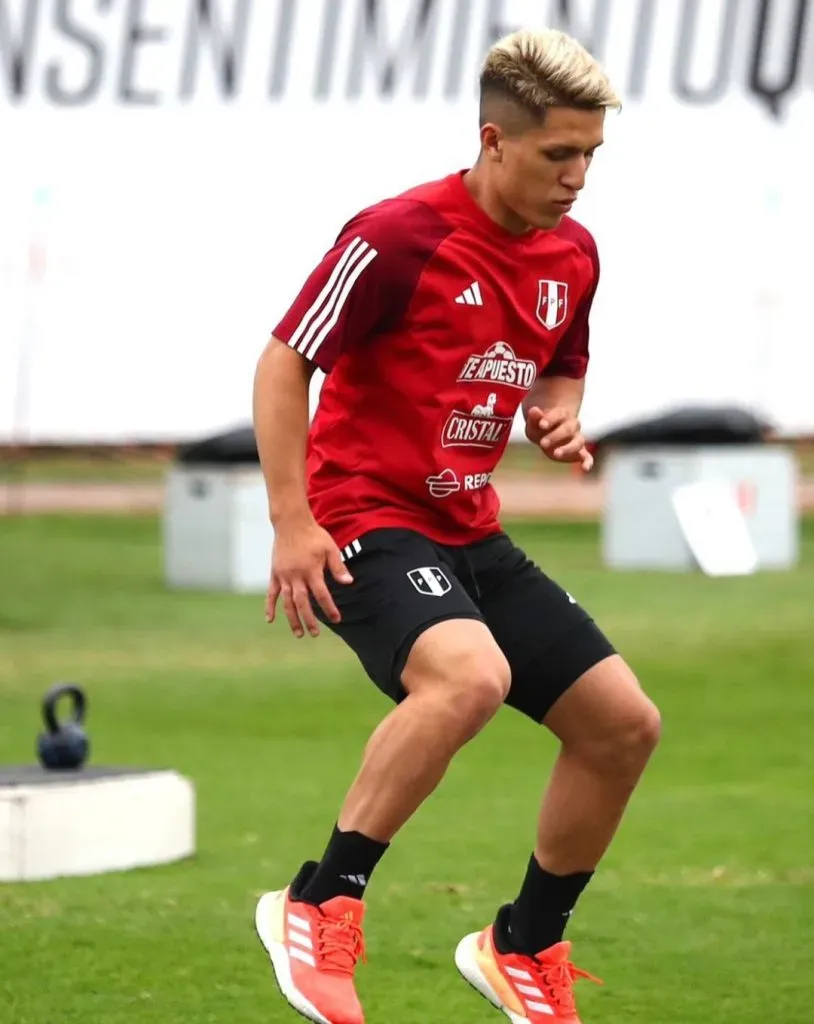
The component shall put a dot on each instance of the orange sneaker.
(314, 951)
(528, 989)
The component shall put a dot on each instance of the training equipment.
(65, 745)
(61, 818)
(216, 529)
(642, 528)
(314, 951)
(698, 487)
(87, 821)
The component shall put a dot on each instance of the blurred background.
(170, 171)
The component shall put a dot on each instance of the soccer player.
(435, 316)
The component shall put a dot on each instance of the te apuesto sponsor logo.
(499, 365)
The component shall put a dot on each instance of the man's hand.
(557, 432)
(302, 553)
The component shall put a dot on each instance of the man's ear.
(491, 138)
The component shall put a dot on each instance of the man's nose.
(574, 174)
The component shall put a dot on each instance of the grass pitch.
(703, 912)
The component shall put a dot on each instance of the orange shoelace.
(340, 944)
(556, 981)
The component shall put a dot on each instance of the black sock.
(344, 870)
(538, 917)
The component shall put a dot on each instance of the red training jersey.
(432, 322)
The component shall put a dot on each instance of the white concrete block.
(92, 821)
(640, 528)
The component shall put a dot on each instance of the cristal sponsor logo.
(479, 428)
(500, 365)
(447, 483)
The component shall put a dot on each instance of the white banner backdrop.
(172, 169)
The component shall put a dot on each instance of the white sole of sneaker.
(467, 964)
(280, 961)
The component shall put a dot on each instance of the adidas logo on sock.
(359, 880)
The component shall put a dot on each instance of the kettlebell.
(65, 745)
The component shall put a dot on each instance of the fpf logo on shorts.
(430, 581)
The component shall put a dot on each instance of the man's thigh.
(402, 585)
(548, 639)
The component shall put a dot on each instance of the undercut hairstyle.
(527, 72)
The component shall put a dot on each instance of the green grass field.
(703, 912)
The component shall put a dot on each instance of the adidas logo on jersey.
(470, 296)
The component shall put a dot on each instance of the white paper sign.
(715, 528)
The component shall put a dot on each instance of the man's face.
(540, 171)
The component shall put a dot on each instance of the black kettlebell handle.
(52, 697)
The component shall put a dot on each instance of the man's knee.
(608, 721)
(483, 684)
(458, 665)
(629, 741)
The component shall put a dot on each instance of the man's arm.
(337, 306)
(303, 551)
(552, 409)
(552, 406)
(280, 413)
(360, 287)
(555, 392)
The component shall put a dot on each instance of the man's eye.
(561, 155)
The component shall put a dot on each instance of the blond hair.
(537, 70)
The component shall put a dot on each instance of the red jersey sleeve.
(364, 283)
(572, 354)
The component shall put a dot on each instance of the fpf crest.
(552, 303)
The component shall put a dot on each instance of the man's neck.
(477, 183)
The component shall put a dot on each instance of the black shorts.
(405, 583)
